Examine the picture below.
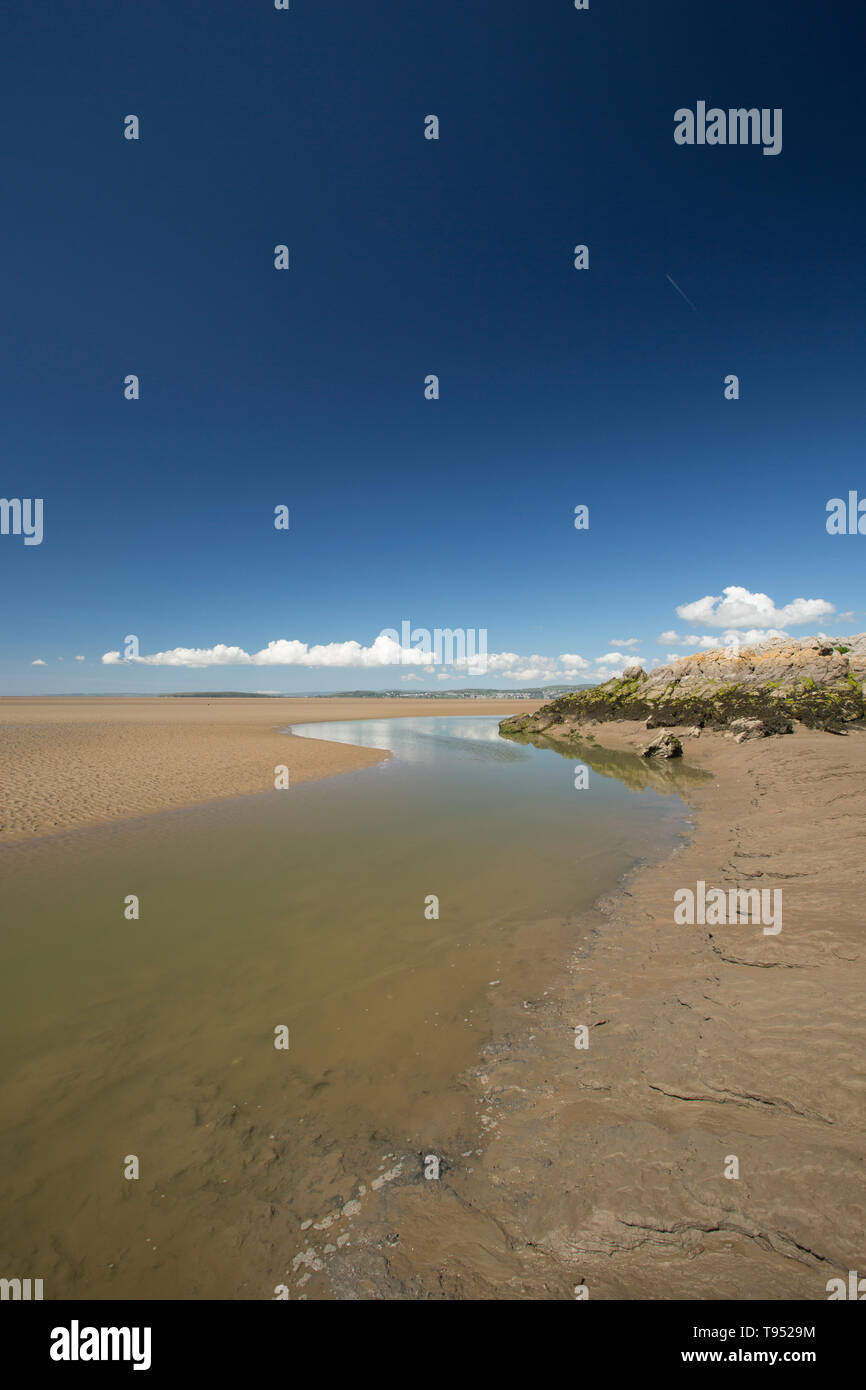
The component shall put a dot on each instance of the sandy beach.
(605, 1168)
(69, 762)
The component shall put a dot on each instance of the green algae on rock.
(816, 680)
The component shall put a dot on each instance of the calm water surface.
(303, 908)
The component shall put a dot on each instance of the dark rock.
(665, 746)
(745, 729)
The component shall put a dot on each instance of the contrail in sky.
(679, 291)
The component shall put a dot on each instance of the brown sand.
(76, 761)
(605, 1167)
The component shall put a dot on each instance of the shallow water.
(303, 908)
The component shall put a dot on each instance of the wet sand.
(72, 761)
(155, 1037)
(605, 1168)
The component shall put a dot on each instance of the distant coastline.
(541, 692)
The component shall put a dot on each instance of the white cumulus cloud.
(385, 652)
(737, 607)
(611, 659)
(614, 663)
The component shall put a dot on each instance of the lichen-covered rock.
(515, 724)
(817, 680)
(665, 746)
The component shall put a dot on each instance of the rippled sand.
(71, 762)
(154, 1035)
(606, 1168)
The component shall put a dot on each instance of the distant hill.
(473, 692)
(546, 692)
(220, 695)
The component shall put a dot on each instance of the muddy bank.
(710, 1050)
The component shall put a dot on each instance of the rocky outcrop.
(665, 746)
(752, 692)
(744, 729)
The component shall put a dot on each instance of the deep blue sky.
(410, 256)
